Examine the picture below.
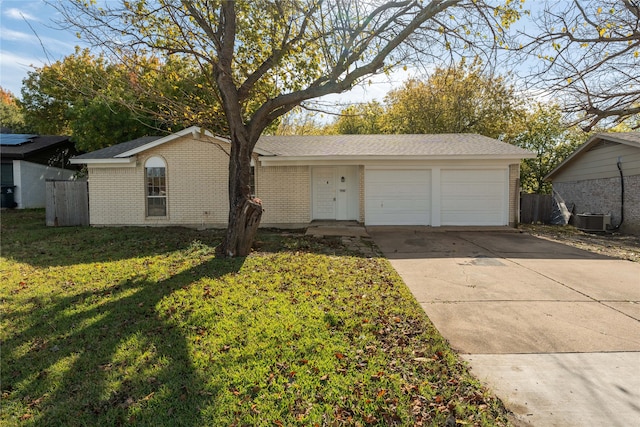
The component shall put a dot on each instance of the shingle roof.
(388, 145)
(284, 147)
(629, 138)
(114, 150)
(34, 145)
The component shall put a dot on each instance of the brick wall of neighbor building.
(514, 194)
(603, 196)
(285, 193)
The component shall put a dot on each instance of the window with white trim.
(155, 179)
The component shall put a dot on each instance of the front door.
(343, 178)
(335, 192)
(324, 193)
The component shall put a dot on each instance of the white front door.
(343, 178)
(335, 192)
(324, 193)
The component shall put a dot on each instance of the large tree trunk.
(245, 211)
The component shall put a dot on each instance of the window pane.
(156, 191)
(156, 206)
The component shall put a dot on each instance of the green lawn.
(144, 326)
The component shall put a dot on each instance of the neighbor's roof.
(19, 146)
(429, 145)
(626, 138)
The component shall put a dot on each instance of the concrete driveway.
(554, 331)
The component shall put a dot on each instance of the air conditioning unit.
(593, 222)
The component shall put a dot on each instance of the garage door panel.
(473, 197)
(397, 197)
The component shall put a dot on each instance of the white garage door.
(474, 197)
(398, 197)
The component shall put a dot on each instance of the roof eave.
(360, 158)
(106, 161)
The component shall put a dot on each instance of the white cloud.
(15, 13)
(52, 44)
(13, 68)
(12, 35)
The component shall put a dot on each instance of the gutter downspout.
(619, 164)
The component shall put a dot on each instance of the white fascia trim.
(281, 160)
(109, 161)
(195, 130)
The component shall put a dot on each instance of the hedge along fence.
(67, 203)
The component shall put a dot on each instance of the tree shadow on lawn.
(110, 357)
(26, 239)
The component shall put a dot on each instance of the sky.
(28, 25)
(25, 27)
(30, 37)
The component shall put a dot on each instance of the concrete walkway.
(554, 331)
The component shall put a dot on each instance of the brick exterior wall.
(196, 179)
(116, 196)
(285, 192)
(603, 196)
(514, 194)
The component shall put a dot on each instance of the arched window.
(155, 177)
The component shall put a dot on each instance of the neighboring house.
(26, 162)
(591, 180)
(182, 179)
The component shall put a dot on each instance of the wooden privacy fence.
(535, 208)
(67, 203)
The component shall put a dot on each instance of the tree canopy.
(11, 114)
(459, 99)
(590, 52)
(543, 130)
(101, 101)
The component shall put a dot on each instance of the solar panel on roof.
(15, 138)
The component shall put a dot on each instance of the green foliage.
(79, 96)
(544, 132)
(100, 102)
(361, 119)
(11, 114)
(301, 122)
(460, 99)
(129, 326)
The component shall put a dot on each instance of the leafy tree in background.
(360, 119)
(77, 96)
(459, 99)
(590, 53)
(11, 114)
(101, 101)
(301, 122)
(264, 58)
(544, 131)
